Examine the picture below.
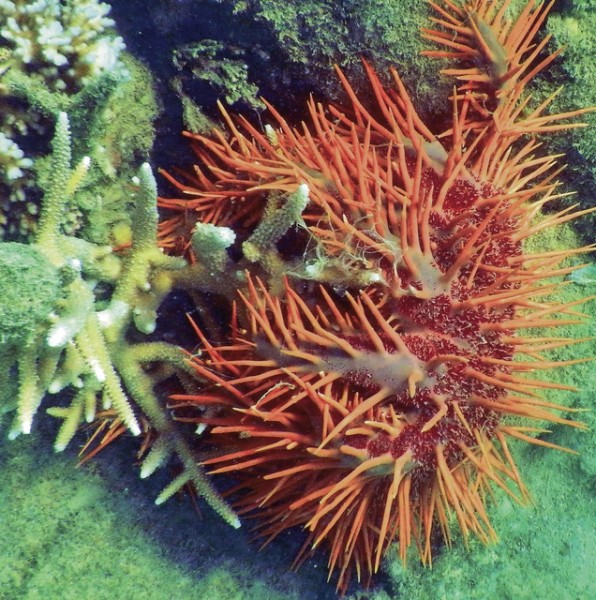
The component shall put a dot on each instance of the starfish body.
(366, 397)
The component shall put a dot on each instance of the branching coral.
(50, 51)
(67, 42)
(78, 337)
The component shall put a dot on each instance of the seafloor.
(94, 533)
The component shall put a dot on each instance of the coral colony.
(373, 366)
(63, 47)
(376, 346)
(74, 335)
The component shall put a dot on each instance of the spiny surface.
(366, 397)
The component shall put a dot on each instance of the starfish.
(364, 387)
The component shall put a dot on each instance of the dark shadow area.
(153, 30)
(195, 538)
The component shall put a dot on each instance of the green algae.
(573, 27)
(545, 551)
(28, 279)
(311, 36)
(117, 138)
(64, 536)
(67, 534)
(208, 61)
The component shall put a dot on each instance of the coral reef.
(361, 281)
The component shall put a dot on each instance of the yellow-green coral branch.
(141, 388)
(62, 185)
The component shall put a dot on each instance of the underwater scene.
(297, 299)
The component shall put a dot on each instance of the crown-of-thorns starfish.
(380, 415)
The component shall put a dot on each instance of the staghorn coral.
(382, 410)
(77, 335)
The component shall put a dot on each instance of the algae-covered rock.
(29, 287)
(310, 37)
(574, 28)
